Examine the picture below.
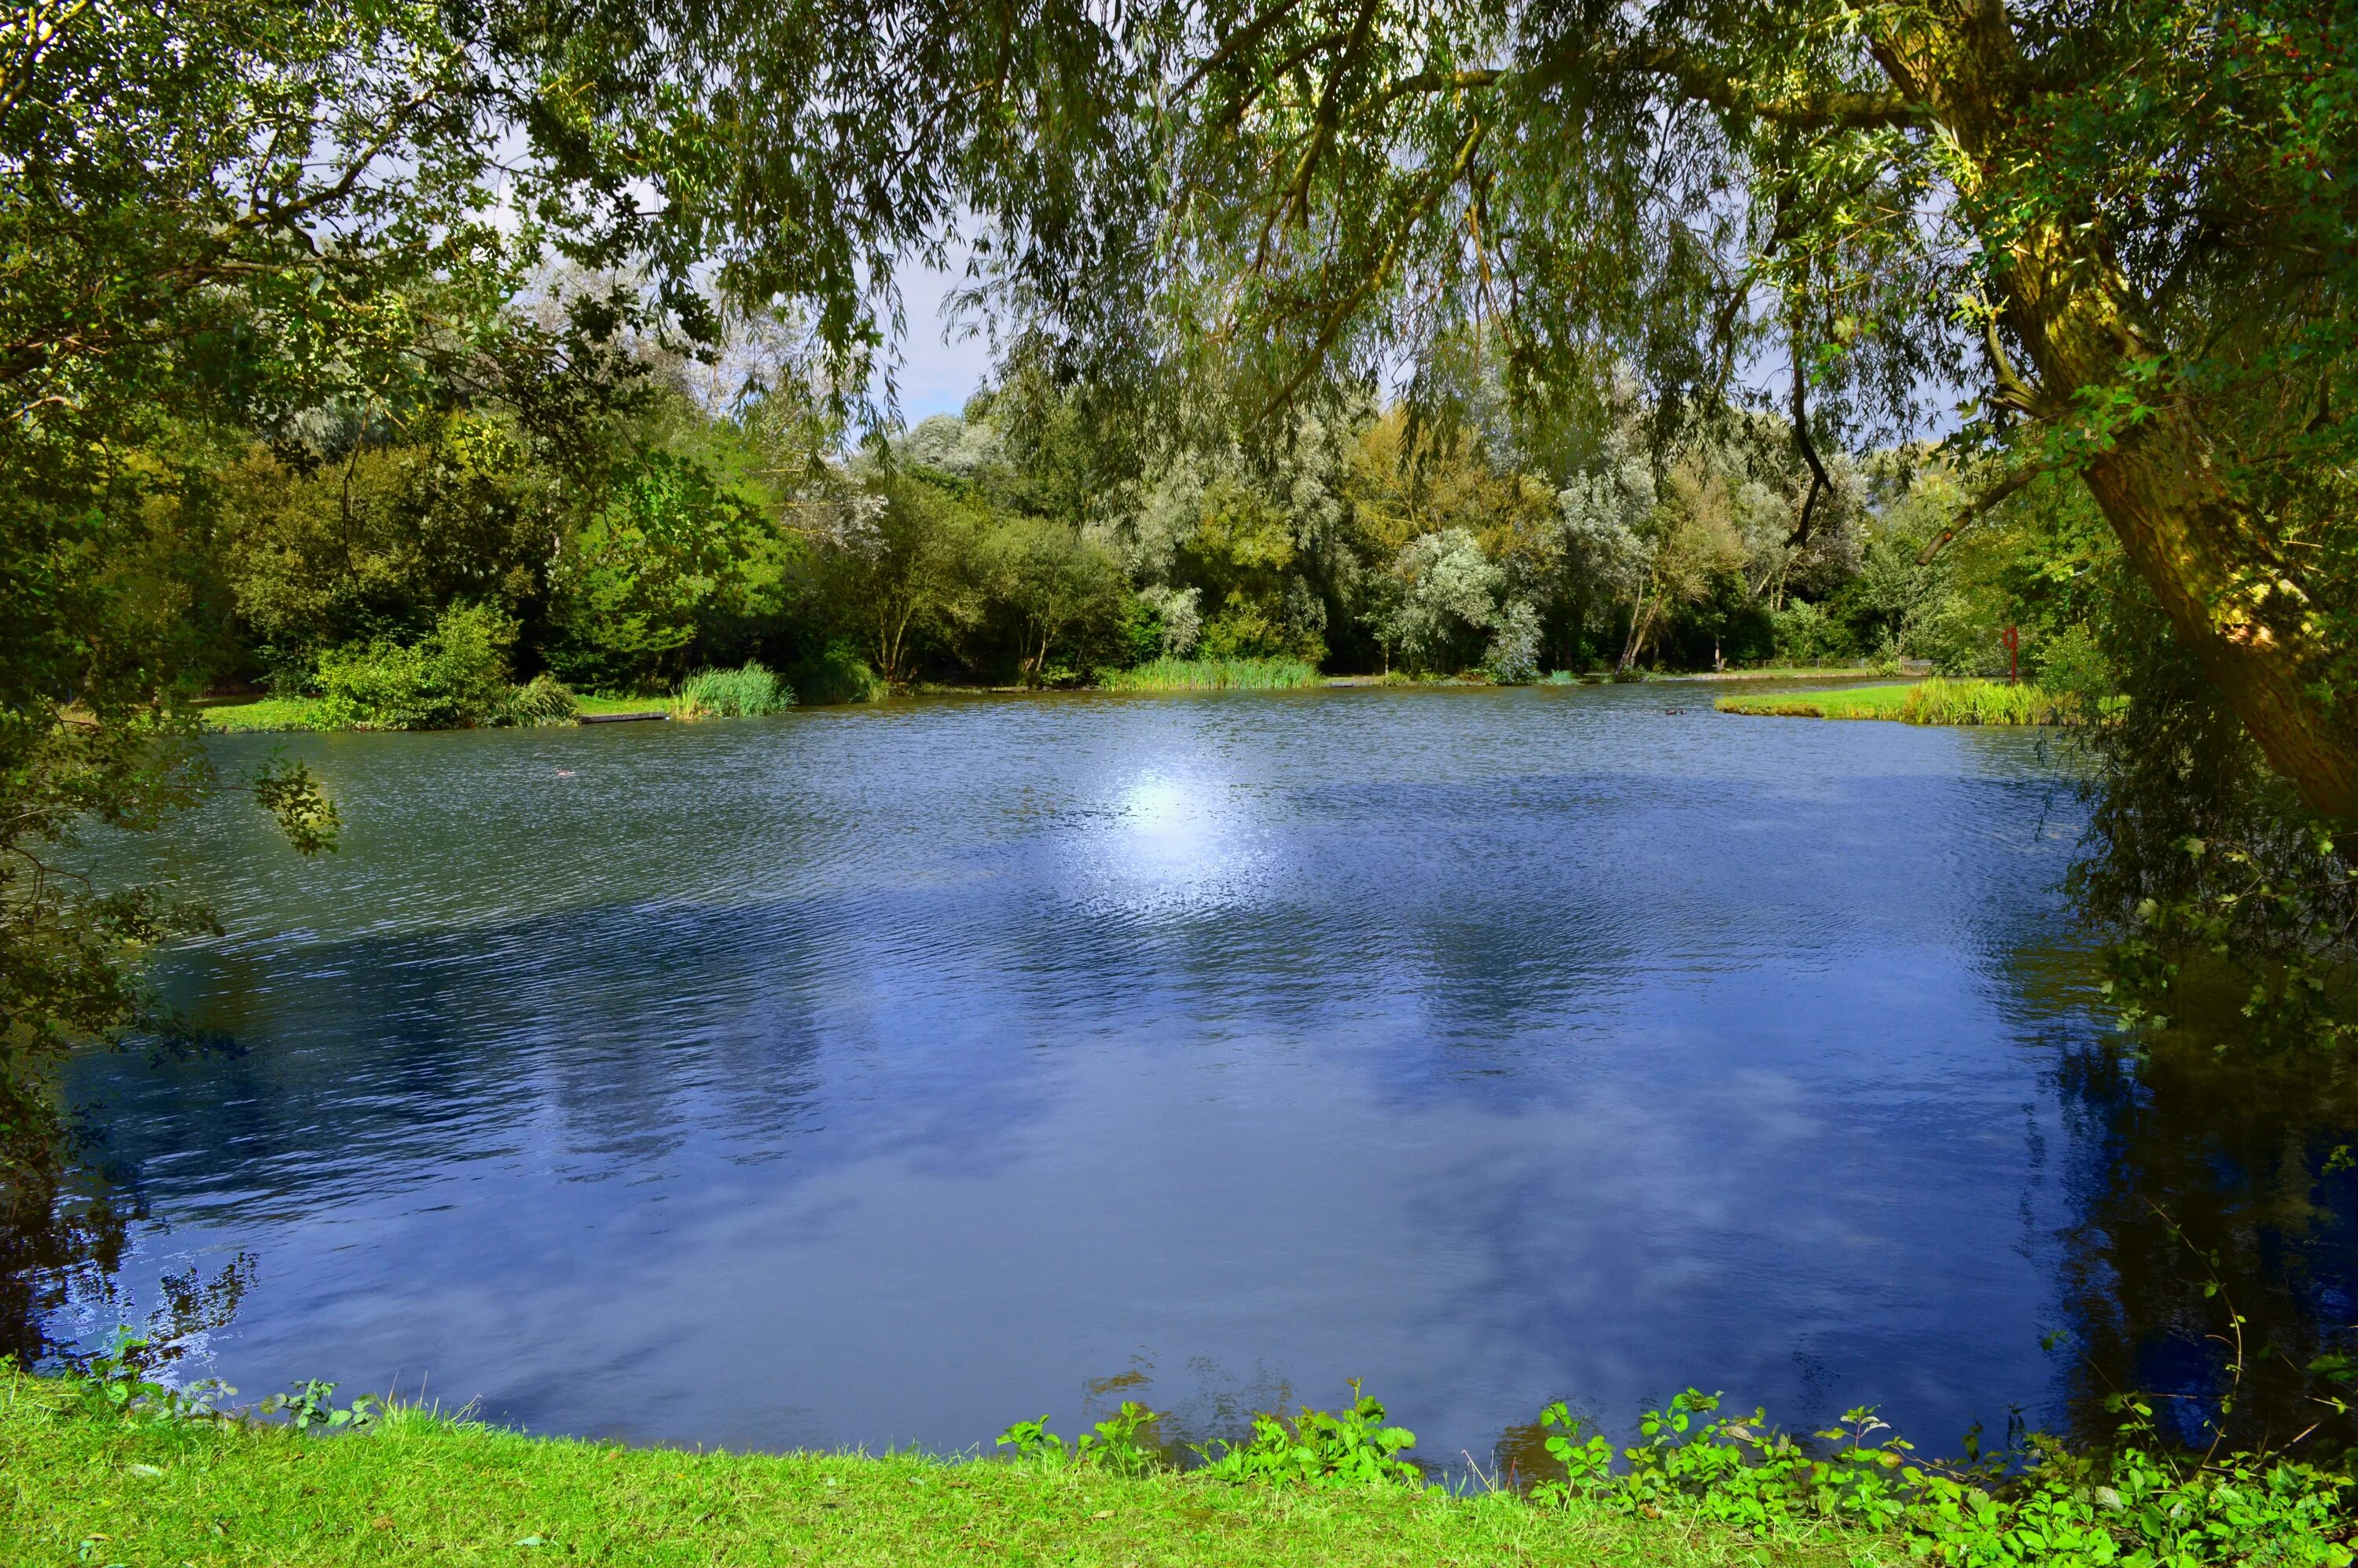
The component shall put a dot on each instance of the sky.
(940, 367)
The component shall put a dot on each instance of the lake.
(881, 1076)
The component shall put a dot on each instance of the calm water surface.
(882, 1076)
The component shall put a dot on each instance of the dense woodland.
(691, 524)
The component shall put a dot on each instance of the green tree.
(901, 568)
(670, 557)
(223, 219)
(1066, 593)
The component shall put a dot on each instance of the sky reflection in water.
(877, 1077)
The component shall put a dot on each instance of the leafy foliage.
(1350, 1447)
(454, 677)
(2134, 1505)
(1119, 1443)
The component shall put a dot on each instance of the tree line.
(704, 517)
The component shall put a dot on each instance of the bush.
(1331, 1448)
(1513, 658)
(1807, 636)
(2073, 668)
(839, 674)
(544, 700)
(453, 677)
(747, 692)
(2043, 1505)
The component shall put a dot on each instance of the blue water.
(882, 1076)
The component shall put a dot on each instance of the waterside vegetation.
(1934, 701)
(105, 1465)
(1167, 674)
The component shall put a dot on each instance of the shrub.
(2073, 667)
(1335, 1448)
(746, 692)
(1807, 636)
(1119, 1443)
(544, 700)
(454, 677)
(2043, 1505)
(839, 674)
(1513, 658)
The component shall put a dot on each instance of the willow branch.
(1236, 43)
(1867, 110)
(1333, 326)
(1819, 482)
(1980, 507)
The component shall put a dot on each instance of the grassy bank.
(1848, 702)
(80, 1487)
(285, 714)
(1932, 701)
(1212, 675)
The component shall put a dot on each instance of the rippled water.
(881, 1076)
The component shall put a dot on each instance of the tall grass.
(1212, 675)
(1938, 701)
(746, 692)
(541, 700)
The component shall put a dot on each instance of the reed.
(746, 692)
(1938, 701)
(1212, 675)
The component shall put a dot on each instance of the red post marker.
(2013, 641)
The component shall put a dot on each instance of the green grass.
(1212, 675)
(1849, 702)
(1934, 701)
(1938, 701)
(641, 702)
(260, 714)
(78, 1487)
(746, 692)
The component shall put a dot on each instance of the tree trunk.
(1641, 618)
(2210, 560)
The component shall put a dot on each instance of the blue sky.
(940, 367)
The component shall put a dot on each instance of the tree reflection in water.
(2194, 1168)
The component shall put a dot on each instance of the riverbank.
(80, 1487)
(288, 715)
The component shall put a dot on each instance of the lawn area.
(239, 714)
(79, 1488)
(1844, 702)
(236, 715)
(658, 702)
(1782, 672)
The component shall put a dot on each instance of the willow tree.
(221, 219)
(2123, 227)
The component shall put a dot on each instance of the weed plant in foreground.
(1212, 675)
